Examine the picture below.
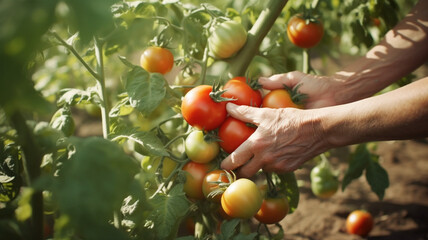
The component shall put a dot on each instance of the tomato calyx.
(222, 186)
(216, 94)
(297, 97)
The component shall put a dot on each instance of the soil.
(401, 215)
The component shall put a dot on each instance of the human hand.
(285, 138)
(321, 90)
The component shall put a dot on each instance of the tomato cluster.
(204, 108)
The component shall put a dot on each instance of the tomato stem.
(76, 54)
(306, 63)
(102, 92)
(240, 62)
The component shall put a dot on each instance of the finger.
(245, 113)
(238, 158)
(251, 168)
(291, 79)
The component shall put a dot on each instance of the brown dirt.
(401, 215)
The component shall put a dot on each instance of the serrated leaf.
(288, 184)
(149, 142)
(377, 177)
(168, 210)
(359, 160)
(122, 108)
(72, 96)
(146, 91)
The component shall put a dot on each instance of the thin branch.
(76, 54)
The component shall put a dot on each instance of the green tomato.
(199, 150)
(324, 183)
(151, 164)
(227, 39)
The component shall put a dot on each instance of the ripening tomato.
(233, 133)
(242, 199)
(157, 59)
(227, 38)
(198, 149)
(304, 33)
(211, 183)
(359, 222)
(151, 164)
(279, 98)
(237, 88)
(272, 210)
(195, 173)
(201, 111)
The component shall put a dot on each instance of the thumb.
(245, 113)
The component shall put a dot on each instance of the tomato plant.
(227, 38)
(200, 150)
(273, 210)
(237, 88)
(157, 60)
(304, 32)
(233, 132)
(212, 182)
(359, 222)
(195, 173)
(110, 56)
(242, 199)
(200, 110)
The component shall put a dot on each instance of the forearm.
(402, 50)
(399, 114)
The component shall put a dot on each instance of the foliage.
(59, 57)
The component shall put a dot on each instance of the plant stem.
(76, 54)
(31, 160)
(241, 61)
(306, 63)
(102, 89)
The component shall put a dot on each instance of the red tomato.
(195, 173)
(232, 133)
(242, 199)
(304, 34)
(359, 222)
(237, 88)
(157, 59)
(211, 183)
(201, 111)
(279, 98)
(272, 210)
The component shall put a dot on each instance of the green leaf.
(72, 96)
(228, 228)
(149, 143)
(10, 170)
(168, 210)
(146, 91)
(359, 161)
(92, 185)
(377, 177)
(122, 108)
(242, 236)
(288, 185)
